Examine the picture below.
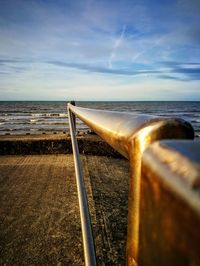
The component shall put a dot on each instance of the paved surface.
(39, 215)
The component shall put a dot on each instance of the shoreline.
(89, 144)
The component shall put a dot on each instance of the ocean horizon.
(37, 117)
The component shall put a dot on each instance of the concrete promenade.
(39, 215)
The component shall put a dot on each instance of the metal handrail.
(88, 243)
(130, 135)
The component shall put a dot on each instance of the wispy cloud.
(125, 41)
(168, 77)
(147, 49)
(169, 70)
(103, 70)
(171, 73)
(188, 71)
(117, 43)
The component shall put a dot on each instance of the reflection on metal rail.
(130, 135)
(170, 204)
(88, 243)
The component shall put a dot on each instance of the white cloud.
(91, 33)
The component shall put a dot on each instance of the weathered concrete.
(54, 144)
(39, 215)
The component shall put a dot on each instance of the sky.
(100, 50)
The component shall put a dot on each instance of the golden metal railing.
(170, 204)
(130, 135)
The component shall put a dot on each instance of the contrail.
(147, 49)
(115, 46)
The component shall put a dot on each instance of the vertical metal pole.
(88, 243)
(73, 116)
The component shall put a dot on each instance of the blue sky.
(99, 50)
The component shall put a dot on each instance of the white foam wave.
(49, 115)
(33, 120)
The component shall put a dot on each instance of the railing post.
(87, 236)
(73, 115)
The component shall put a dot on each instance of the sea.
(47, 117)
